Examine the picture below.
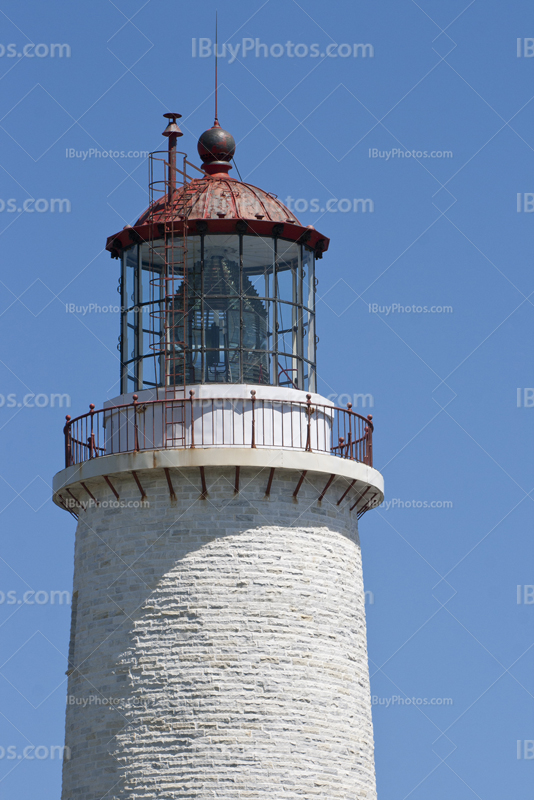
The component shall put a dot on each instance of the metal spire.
(216, 123)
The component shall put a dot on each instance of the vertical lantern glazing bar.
(269, 308)
(299, 325)
(294, 324)
(203, 376)
(275, 314)
(124, 329)
(312, 380)
(240, 308)
(139, 315)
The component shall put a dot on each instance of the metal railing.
(224, 422)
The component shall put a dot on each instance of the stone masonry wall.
(219, 648)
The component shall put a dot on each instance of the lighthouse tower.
(218, 639)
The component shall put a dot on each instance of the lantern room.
(217, 279)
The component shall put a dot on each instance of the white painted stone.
(227, 637)
(222, 417)
(259, 458)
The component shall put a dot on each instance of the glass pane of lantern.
(287, 256)
(220, 325)
(221, 322)
(287, 372)
(131, 349)
(287, 366)
(194, 304)
(308, 282)
(194, 269)
(175, 332)
(151, 320)
(308, 265)
(221, 266)
(221, 312)
(286, 266)
(258, 258)
(151, 313)
(131, 334)
(131, 270)
(223, 366)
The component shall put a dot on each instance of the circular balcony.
(219, 422)
(235, 426)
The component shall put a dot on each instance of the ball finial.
(216, 148)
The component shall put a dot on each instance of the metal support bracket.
(91, 495)
(359, 498)
(269, 483)
(138, 482)
(299, 484)
(115, 492)
(204, 487)
(326, 488)
(169, 484)
(347, 490)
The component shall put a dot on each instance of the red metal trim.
(283, 371)
(136, 427)
(68, 443)
(192, 396)
(115, 492)
(326, 488)
(340, 420)
(299, 484)
(309, 412)
(369, 433)
(169, 483)
(148, 232)
(253, 398)
(269, 482)
(143, 495)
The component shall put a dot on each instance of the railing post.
(370, 440)
(192, 397)
(309, 412)
(349, 443)
(81, 438)
(92, 434)
(136, 429)
(68, 443)
(253, 440)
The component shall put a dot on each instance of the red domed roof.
(220, 198)
(214, 203)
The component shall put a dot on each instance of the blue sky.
(442, 232)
